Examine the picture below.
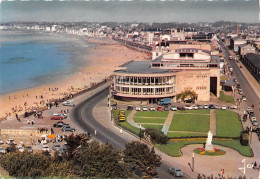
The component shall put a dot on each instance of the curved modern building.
(137, 80)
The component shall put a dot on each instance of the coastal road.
(252, 97)
(82, 116)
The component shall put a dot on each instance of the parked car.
(211, 106)
(243, 98)
(175, 172)
(57, 117)
(68, 103)
(200, 106)
(173, 108)
(9, 141)
(233, 107)
(165, 101)
(56, 147)
(255, 123)
(2, 150)
(138, 108)
(145, 108)
(129, 108)
(252, 116)
(1, 142)
(224, 107)
(67, 128)
(152, 108)
(159, 108)
(20, 148)
(29, 149)
(45, 148)
(206, 106)
(59, 124)
(60, 114)
(166, 108)
(181, 108)
(217, 106)
(240, 92)
(188, 107)
(195, 107)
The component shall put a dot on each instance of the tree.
(95, 160)
(184, 95)
(73, 141)
(157, 136)
(139, 155)
(25, 164)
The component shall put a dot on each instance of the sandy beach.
(101, 60)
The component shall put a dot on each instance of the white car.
(224, 107)
(138, 108)
(195, 107)
(145, 108)
(233, 107)
(9, 141)
(1, 142)
(68, 103)
(2, 150)
(152, 108)
(45, 148)
(20, 148)
(206, 106)
(173, 108)
(187, 107)
(243, 98)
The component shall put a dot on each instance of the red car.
(57, 118)
(159, 108)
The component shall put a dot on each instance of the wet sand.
(101, 60)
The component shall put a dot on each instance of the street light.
(140, 134)
(193, 162)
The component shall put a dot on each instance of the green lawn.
(173, 148)
(235, 144)
(182, 134)
(162, 114)
(226, 98)
(228, 124)
(158, 127)
(149, 120)
(189, 122)
(125, 124)
(199, 111)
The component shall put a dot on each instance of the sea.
(29, 59)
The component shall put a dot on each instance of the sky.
(130, 11)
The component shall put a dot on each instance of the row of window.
(144, 91)
(201, 87)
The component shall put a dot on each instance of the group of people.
(43, 130)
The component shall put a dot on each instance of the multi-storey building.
(181, 67)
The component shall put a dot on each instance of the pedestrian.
(52, 131)
(28, 121)
(255, 165)
(32, 122)
(67, 110)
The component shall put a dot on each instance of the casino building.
(174, 69)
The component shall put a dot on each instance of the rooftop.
(141, 67)
(254, 58)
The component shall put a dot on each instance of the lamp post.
(140, 133)
(250, 137)
(193, 162)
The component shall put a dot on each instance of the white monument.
(209, 146)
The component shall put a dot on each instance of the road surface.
(82, 116)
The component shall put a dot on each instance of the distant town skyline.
(134, 11)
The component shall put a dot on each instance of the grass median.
(226, 98)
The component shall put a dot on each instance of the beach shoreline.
(99, 62)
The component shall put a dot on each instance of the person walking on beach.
(32, 122)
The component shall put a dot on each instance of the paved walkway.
(130, 118)
(212, 122)
(189, 132)
(168, 121)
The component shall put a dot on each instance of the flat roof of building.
(254, 59)
(141, 67)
